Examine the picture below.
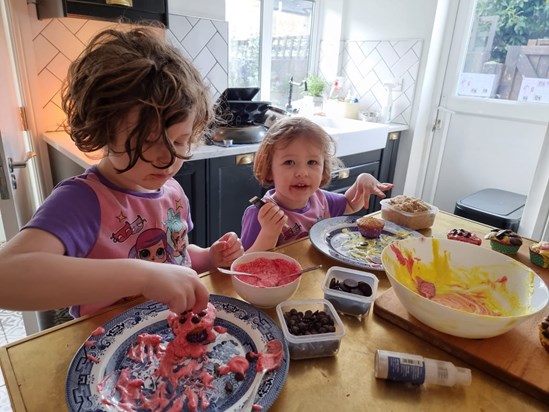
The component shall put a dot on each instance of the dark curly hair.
(120, 71)
(281, 134)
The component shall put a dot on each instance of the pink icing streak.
(92, 358)
(238, 364)
(271, 272)
(99, 331)
(180, 364)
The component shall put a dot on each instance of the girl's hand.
(177, 286)
(225, 250)
(272, 219)
(358, 195)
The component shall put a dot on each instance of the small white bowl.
(453, 274)
(264, 297)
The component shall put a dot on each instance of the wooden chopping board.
(515, 357)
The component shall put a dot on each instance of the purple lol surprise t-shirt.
(321, 205)
(95, 219)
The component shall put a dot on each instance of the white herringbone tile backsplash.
(367, 65)
(57, 42)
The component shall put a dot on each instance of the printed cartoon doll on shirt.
(296, 159)
(177, 236)
(152, 245)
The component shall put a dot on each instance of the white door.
(16, 204)
(477, 143)
(17, 186)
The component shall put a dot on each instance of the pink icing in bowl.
(265, 290)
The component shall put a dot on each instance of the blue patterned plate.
(339, 238)
(248, 329)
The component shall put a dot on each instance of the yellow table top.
(35, 368)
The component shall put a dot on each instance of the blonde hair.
(134, 69)
(281, 134)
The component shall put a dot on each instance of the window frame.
(265, 49)
(497, 108)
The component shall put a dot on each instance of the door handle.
(341, 174)
(23, 163)
(125, 3)
(244, 159)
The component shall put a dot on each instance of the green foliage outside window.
(518, 21)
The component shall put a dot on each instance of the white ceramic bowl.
(462, 273)
(264, 297)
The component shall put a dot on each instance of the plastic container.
(349, 303)
(415, 369)
(415, 221)
(311, 346)
(387, 109)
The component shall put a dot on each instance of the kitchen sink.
(353, 136)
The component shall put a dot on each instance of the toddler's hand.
(272, 219)
(225, 250)
(177, 286)
(358, 195)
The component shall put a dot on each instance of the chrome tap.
(289, 108)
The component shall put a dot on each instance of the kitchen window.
(507, 55)
(270, 41)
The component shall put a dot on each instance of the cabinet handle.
(245, 159)
(126, 3)
(341, 174)
(393, 136)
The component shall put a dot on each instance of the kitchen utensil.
(300, 272)
(268, 361)
(248, 405)
(239, 93)
(235, 272)
(240, 135)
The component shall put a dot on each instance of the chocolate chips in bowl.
(311, 327)
(351, 292)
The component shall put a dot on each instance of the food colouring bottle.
(415, 369)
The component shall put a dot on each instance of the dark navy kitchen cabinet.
(231, 184)
(343, 178)
(192, 178)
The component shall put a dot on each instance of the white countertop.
(62, 142)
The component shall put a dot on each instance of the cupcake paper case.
(504, 241)
(539, 254)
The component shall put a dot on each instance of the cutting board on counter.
(515, 357)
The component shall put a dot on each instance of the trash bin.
(493, 207)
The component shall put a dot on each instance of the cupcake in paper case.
(504, 241)
(544, 333)
(539, 254)
(370, 227)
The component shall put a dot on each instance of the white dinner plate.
(248, 329)
(339, 238)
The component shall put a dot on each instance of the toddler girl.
(100, 236)
(297, 157)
